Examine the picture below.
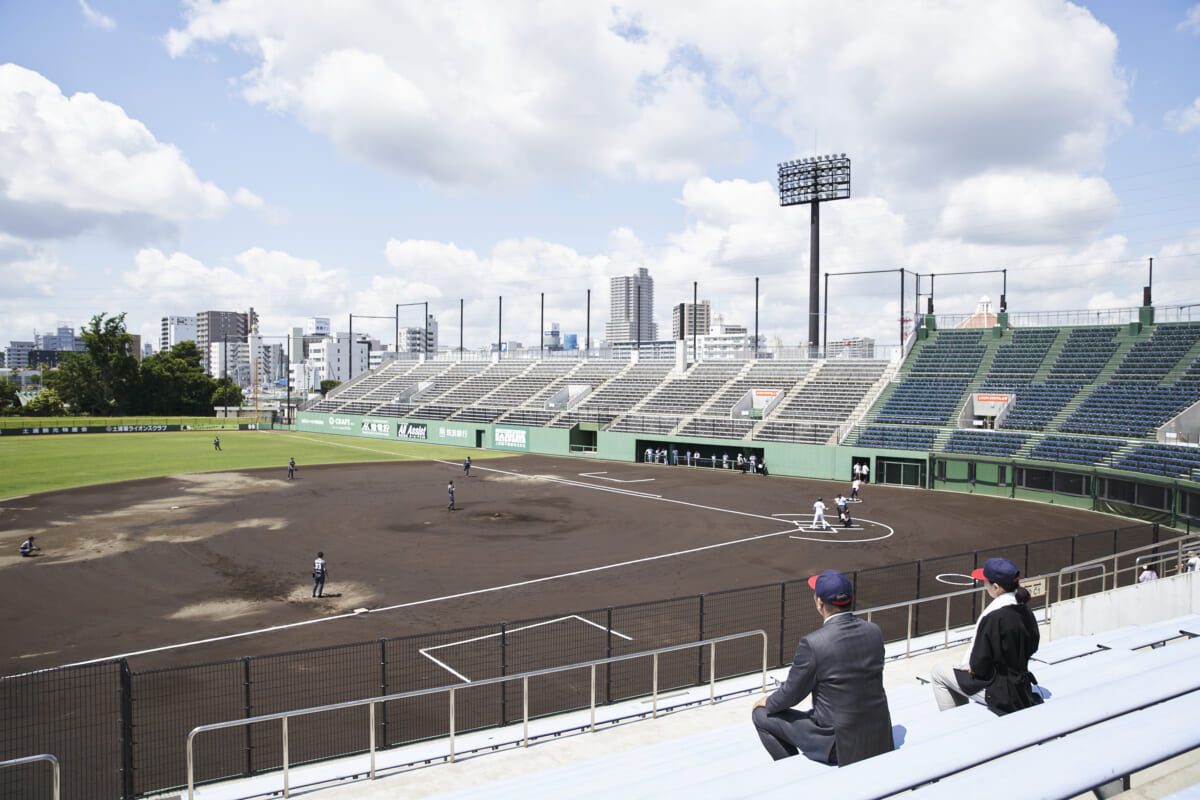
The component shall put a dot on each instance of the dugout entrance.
(900, 471)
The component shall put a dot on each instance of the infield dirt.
(150, 564)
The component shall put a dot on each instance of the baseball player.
(450, 491)
(291, 468)
(819, 515)
(854, 498)
(27, 547)
(467, 466)
(320, 568)
(842, 509)
(216, 443)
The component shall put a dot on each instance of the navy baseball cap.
(833, 587)
(998, 570)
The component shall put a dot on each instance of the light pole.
(809, 181)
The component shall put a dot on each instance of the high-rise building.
(690, 318)
(176, 329)
(222, 326)
(631, 308)
(410, 338)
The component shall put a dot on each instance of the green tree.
(10, 401)
(173, 383)
(227, 393)
(45, 403)
(328, 384)
(103, 379)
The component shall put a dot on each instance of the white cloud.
(281, 287)
(1183, 120)
(94, 17)
(481, 93)
(1191, 21)
(78, 162)
(1023, 208)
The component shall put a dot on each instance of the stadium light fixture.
(812, 181)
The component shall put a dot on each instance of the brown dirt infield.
(147, 564)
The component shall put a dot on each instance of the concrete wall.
(1139, 604)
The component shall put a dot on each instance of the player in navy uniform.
(450, 491)
(216, 443)
(291, 468)
(320, 569)
(27, 547)
(467, 466)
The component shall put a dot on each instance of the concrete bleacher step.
(1115, 744)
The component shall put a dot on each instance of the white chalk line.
(349, 446)
(426, 650)
(890, 533)
(600, 476)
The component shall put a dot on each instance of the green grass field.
(31, 464)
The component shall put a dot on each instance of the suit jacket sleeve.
(801, 679)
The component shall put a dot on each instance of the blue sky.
(317, 159)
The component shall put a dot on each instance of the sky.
(309, 158)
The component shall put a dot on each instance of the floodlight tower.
(811, 181)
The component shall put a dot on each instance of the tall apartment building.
(334, 359)
(631, 308)
(222, 326)
(690, 318)
(176, 329)
(411, 342)
(17, 354)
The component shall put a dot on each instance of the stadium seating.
(988, 443)
(898, 438)
(1075, 450)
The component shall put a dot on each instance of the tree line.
(107, 380)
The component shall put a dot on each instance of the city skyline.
(306, 160)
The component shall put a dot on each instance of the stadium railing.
(452, 690)
(56, 770)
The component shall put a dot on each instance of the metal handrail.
(1074, 572)
(524, 677)
(1180, 545)
(57, 785)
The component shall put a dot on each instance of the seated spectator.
(841, 666)
(996, 666)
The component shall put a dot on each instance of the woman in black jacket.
(1005, 638)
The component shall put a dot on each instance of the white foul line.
(425, 650)
(600, 476)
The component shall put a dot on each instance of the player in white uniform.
(819, 515)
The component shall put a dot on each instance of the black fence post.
(916, 606)
(248, 710)
(126, 731)
(383, 690)
(700, 650)
(782, 617)
(608, 654)
(503, 671)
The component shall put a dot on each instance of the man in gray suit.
(841, 665)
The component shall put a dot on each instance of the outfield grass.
(31, 464)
